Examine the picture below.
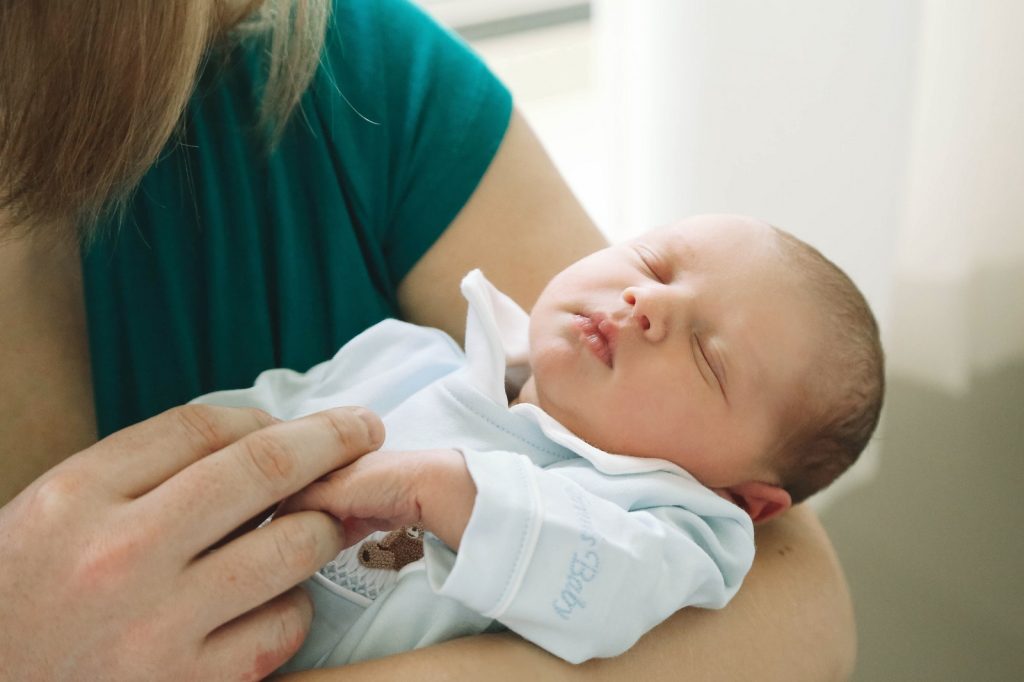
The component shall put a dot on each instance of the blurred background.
(889, 134)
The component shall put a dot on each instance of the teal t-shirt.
(232, 260)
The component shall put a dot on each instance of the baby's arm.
(579, 562)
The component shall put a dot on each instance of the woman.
(403, 168)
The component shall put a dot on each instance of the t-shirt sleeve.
(421, 117)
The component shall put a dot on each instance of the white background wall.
(960, 263)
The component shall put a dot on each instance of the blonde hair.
(838, 409)
(90, 92)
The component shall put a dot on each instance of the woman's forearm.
(792, 620)
(495, 658)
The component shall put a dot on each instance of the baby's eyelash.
(704, 355)
(714, 372)
(648, 259)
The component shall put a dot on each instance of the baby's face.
(685, 344)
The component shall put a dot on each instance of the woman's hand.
(106, 566)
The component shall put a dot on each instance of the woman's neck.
(46, 408)
(34, 267)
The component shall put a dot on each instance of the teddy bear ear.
(372, 555)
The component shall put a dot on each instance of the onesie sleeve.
(583, 563)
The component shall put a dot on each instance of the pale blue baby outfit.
(577, 550)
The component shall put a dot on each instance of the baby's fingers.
(338, 494)
(379, 487)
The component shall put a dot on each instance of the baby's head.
(722, 344)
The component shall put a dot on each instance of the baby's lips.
(589, 327)
(609, 329)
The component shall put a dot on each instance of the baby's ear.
(762, 501)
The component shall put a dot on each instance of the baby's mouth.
(598, 334)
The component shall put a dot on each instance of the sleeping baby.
(581, 473)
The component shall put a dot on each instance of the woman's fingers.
(217, 494)
(141, 457)
(261, 564)
(257, 643)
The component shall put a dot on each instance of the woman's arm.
(791, 620)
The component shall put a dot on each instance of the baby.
(583, 473)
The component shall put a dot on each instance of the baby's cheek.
(553, 364)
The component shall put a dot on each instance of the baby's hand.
(387, 490)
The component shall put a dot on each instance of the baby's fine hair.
(837, 412)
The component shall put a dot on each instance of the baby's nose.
(645, 312)
(637, 315)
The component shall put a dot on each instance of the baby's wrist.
(446, 495)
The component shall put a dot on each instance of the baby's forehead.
(719, 242)
(674, 241)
